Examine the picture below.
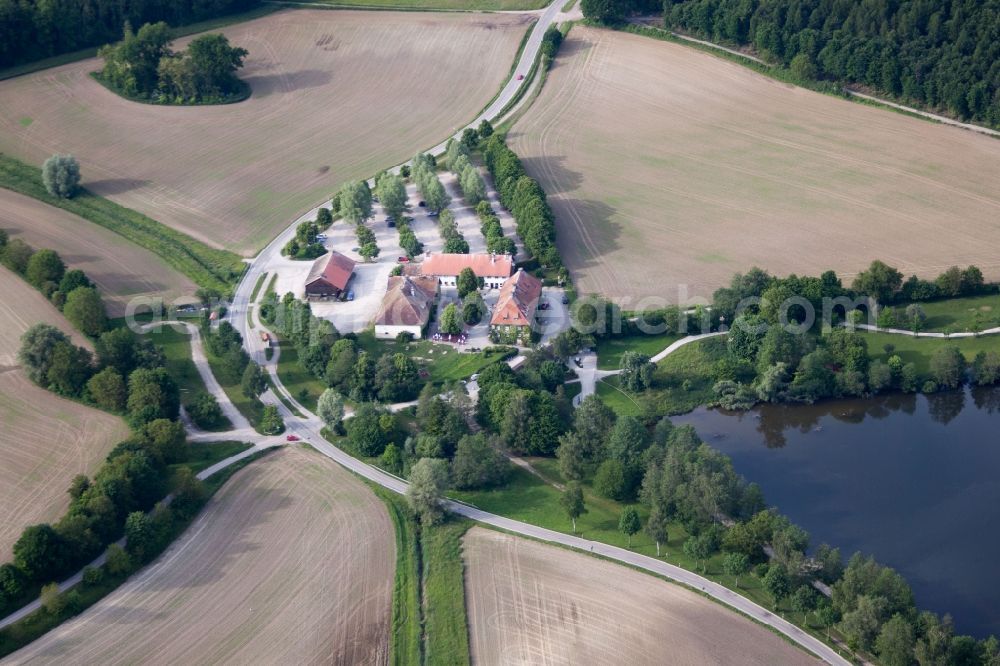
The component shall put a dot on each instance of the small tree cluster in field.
(61, 176)
(271, 422)
(636, 371)
(525, 199)
(143, 66)
(551, 42)
(454, 240)
(496, 242)
(424, 173)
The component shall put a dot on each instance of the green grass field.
(176, 347)
(443, 363)
(683, 381)
(610, 350)
(301, 383)
(962, 314)
(920, 350)
(428, 600)
(205, 266)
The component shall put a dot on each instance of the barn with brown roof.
(492, 268)
(329, 276)
(406, 306)
(514, 313)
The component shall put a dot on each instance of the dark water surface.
(912, 480)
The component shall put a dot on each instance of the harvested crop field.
(45, 440)
(336, 95)
(121, 269)
(290, 563)
(668, 166)
(531, 603)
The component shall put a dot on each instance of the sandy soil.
(336, 95)
(669, 168)
(121, 269)
(45, 440)
(531, 603)
(290, 563)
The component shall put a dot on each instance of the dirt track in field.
(531, 603)
(668, 166)
(336, 95)
(290, 563)
(122, 270)
(44, 440)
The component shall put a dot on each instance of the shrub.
(61, 176)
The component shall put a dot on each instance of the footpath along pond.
(913, 480)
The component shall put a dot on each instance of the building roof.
(407, 302)
(483, 265)
(517, 301)
(332, 267)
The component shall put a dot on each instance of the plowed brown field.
(290, 563)
(44, 440)
(336, 95)
(668, 166)
(121, 269)
(531, 603)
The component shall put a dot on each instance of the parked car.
(422, 204)
(350, 295)
(403, 260)
(321, 237)
(391, 222)
(565, 299)
(291, 438)
(433, 213)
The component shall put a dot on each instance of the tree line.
(525, 199)
(126, 376)
(31, 30)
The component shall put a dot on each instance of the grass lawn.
(301, 383)
(428, 600)
(610, 350)
(251, 408)
(176, 345)
(962, 314)
(203, 456)
(446, 632)
(683, 381)
(444, 363)
(920, 350)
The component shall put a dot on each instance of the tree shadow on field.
(115, 185)
(264, 85)
(588, 234)
(570, 49)
(552, 173)
(264, 500)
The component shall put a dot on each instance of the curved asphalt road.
(309, 426)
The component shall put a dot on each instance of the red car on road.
(403, 260)
(291, 438)
(520, 77)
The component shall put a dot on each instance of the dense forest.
(943, 55)
(35, 29)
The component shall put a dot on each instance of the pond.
(910, 479)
